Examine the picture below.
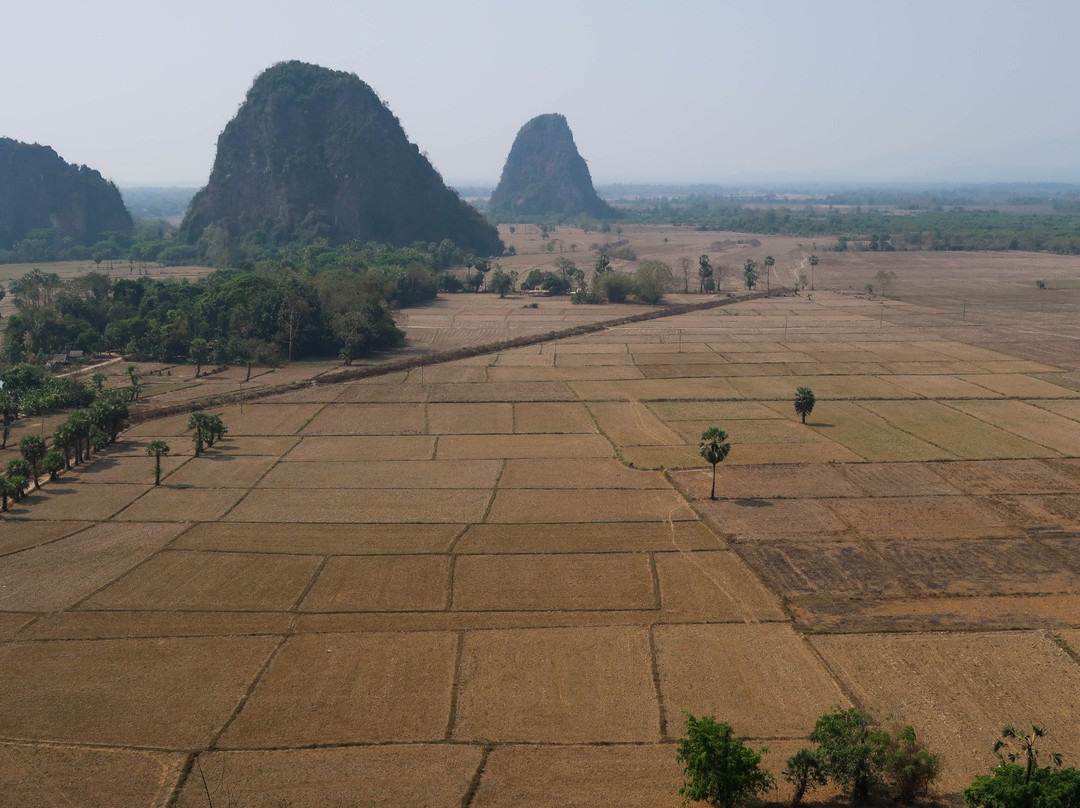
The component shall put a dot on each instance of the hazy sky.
(680, 90)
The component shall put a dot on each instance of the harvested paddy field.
(476, 585)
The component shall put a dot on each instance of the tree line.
(264, 315)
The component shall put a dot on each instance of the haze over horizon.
(693, 92)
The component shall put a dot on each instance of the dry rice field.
(500, 582)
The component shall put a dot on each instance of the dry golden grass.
(367, 419)
(478, 447)
(577, 537)
(763, 678)
(213, 582)
(537, 505)
(354, 448)
(168, 504)
(470, 419)
(320, 539)
(418, 474)
(171, 693)
(387, 776)
(557, 686)
(377, 584)
(573, 582)
(319, 687)
(560, 418)
(453, 506)
(962, 686)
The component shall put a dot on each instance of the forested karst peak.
(314, 153)
(545, 175)
(40, 191)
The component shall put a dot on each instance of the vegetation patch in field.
(982, 567)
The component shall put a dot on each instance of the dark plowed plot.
(937, 613)
(822, 568)
(985, 567)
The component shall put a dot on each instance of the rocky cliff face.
(314, 152)
(545, 176)
(39, 189)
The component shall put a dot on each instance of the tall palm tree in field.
(768, 262)
(714, 447)
(157, 449)
(804, 401)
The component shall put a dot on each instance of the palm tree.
(157, 449)
(768, 262)
(813, 263)
(7, 489)
(750, 272)
(804, 401)
(32, 447)
(714, 448)
(53, 463)
(198, 423)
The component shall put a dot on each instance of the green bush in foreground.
(719, 768)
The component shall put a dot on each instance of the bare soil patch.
(217, 471)
(921, 518)
(591, 474)
(90, 625)
(1006, 477)
(552, 417)
(502, 391)
(830, 569)
(65, 499)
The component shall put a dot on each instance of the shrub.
(852, 750)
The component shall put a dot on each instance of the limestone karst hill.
(313, 153)
(39, 189)
(545, 175)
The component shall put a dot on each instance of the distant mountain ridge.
(545, 175)
(39, 189)
(313, 153)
